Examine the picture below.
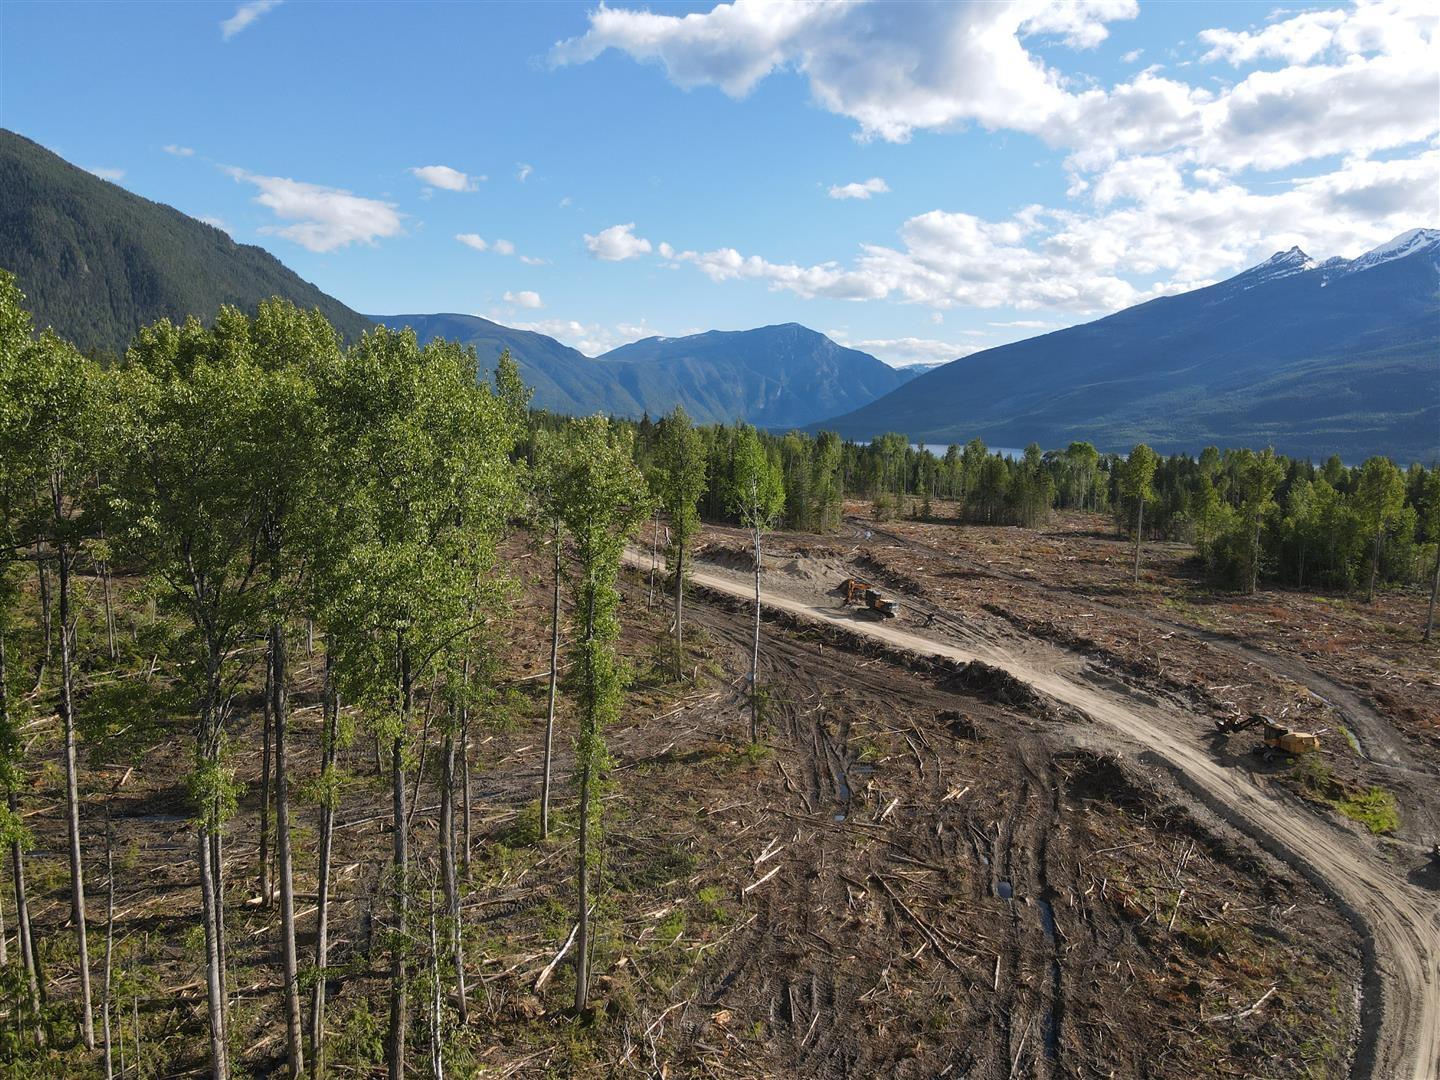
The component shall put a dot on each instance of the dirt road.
(1398, 922)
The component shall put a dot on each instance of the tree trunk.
(109, 942)
(1434, 590)
(327, 833)
(214, 981)
(654, 555)
(582, 871)
(582, 884)
(1255, 559)
(1374, 568)
(279, 707)
(400, 854)
(465, 769)
(72, 788)
(554, 683)
(217, 861)
(679, 604)
(755, 652)
(1139, 527)
(447, 868)
(267, 887)
(24, 940)
(46, 624)
(109, 609)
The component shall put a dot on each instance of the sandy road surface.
(1399, 923)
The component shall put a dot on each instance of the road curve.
(1399, 923)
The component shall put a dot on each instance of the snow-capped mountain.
(1340, 357)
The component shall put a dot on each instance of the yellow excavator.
(859, 591)
(1277, 739)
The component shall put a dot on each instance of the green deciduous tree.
(679, 483)
(1136, 479)
(1379, 498)
(758, 498)
(604, 499)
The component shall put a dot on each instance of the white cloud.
(565, 202)
(113, 175)
(617, 243)
(445, 178)
(218, 223)
(1132, 56)
(1161, 196)
(891, 67)
(1025, 324)
(905, 351)
(178, 151)
(523, 171)
(861, 189)
(1148, 224)
(592, 339)
(942, 65)
(526, 298)
(244, 15)
(325, 218)
(499, 247)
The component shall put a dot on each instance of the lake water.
(938, 449)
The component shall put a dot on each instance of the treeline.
(174, 523)
(1251, 516)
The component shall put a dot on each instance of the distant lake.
(938, 449)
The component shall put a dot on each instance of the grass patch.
(1374, 808)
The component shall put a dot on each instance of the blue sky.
(611, 173)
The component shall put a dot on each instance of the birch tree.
(192, 507)
(758, 498)
(604, 499)
(679, 482)
(1136, 484)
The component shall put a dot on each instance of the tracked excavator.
(859, 591)
(1276, 739)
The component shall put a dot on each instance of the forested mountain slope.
(772, 376)
(1342, 357)
(96, 262)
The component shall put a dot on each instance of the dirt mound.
(993, 684)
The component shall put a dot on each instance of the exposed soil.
(966, 849)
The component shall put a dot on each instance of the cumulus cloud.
(244, 15)
(860, 189)
(178, 151)
(324, 218)
(942, 65)
(497, 247)
(503, 247)
(1162, 192)
(906, 351)
(1148, 224)
(113, 175)
(445, 178)
(617, 243)
(592, 339)
(523, 171)
(473, 240)
(526, 298)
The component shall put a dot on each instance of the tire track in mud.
(1398, 923)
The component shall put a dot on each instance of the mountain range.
(1340, 357)
(1336, 357)
(773, 376)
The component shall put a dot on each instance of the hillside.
(1343, 357)
(565, 380)
(773, 376)
(97, 262)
